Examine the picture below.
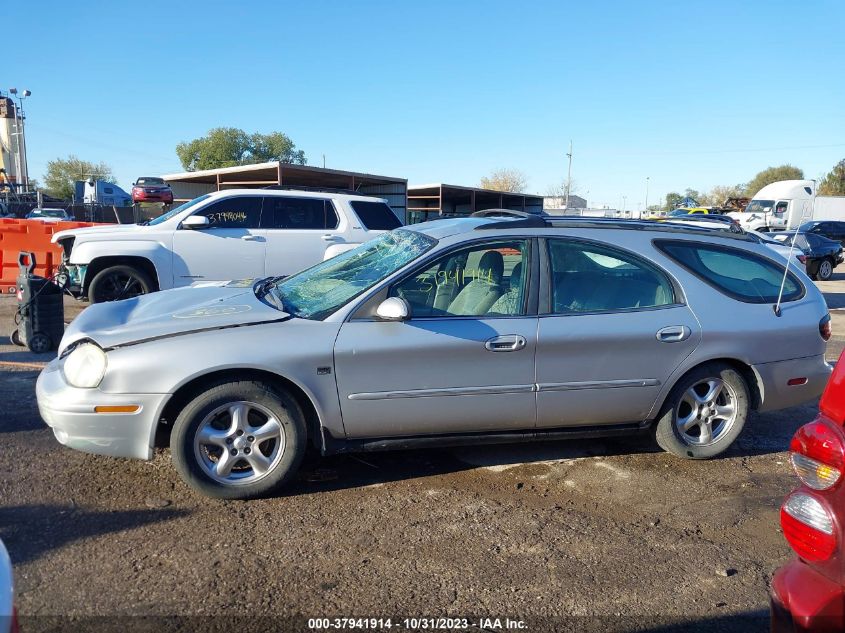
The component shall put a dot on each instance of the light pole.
(646, 192)
(568, 176)
(22, 168)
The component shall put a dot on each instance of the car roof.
(447, 227)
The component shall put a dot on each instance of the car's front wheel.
(119, 282)
(705, 412)
(238, 440)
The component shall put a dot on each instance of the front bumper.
(70, 413)
(804, 600)
(776, 394)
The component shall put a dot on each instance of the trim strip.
(450, 391)
(501, 389)
(598, 384)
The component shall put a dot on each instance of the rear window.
(375, 216)
(739, 274)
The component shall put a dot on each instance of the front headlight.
(85, 366)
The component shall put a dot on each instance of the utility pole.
(646, 192)
(568, 176)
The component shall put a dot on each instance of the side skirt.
(334, 446)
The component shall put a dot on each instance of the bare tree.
(511, 180)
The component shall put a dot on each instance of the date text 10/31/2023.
(417, 624)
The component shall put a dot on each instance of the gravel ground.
(580, 535)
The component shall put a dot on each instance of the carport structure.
(428, 202)
(191, 184)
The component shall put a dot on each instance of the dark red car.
(808, 594)
(151, 189)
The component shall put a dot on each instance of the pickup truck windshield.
(759, 206)
(178, 210)
(320, 290)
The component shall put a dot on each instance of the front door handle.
(252, 238)
(673, 334)
(331, 238)
(506, 343)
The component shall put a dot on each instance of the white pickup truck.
(233, 234)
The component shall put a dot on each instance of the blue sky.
(689, 94)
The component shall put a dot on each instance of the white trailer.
(786, 204)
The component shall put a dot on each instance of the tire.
(213, 424)
(681, 405)
(39, 343)
(15, 337)
(119, 282)
(825, 271)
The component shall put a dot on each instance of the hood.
(104, 232)
(171, 313)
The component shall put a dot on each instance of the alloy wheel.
(239, 443)
(706, 412)
(118, 286)
(825, 270)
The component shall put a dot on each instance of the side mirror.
(195, 222)
(393, 309)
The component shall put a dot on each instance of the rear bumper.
(804, 600)
(773, 378)
(69, 412)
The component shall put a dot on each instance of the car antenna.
(804, 215)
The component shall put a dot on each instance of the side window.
(739, 274)
(593, 278)
(486, 280)
(375, 216)
(233, 213)
(780, 207)
(298, 213)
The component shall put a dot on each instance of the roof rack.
(527, 220)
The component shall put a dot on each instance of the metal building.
(428, 202)
(191, 184)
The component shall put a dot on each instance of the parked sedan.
(822, 255)
(458, 331)
(8, 617)
(151, 189)
(808, 594)
(830, 229)
(48, 215)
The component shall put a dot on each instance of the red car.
(808, 594)
(151, 189)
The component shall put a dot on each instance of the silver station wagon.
(499, 328)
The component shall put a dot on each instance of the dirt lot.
(587, 535)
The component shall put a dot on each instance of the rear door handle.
(252, 238)
(506, 343)
(330, 238)
(673, 334)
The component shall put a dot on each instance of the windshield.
(149, 181)
(759, 206)
(320, 290)
(678, 212)
(178, 210)
(49, 213)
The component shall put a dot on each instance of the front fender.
(161, 257)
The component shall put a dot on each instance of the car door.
(298, 231)
(463, 362)
(229, 247)
(612, 329)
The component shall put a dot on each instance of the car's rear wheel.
(119, 282)
(825, 271)
(238, 440)
(704, 413)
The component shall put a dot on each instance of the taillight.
(817, 454)
(802, 259)
(824, 327)
(808, 527)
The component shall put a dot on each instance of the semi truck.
(786, 204)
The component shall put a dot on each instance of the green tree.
(511, 180)
(63, 172)
(229, 147)
(673, 199)
(833, 184)
(773, 174)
